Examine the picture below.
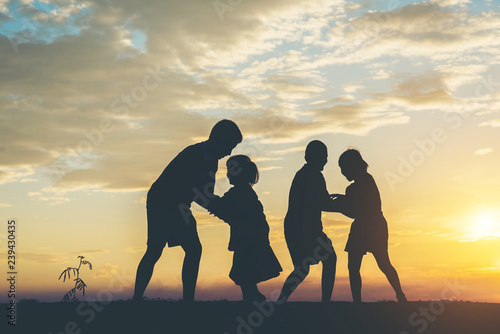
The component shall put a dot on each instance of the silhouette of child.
(369, 232)
(253, 259)
(306, 241)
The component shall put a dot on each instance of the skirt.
(368, 235)
(254, 262)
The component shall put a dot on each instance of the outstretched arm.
(330, 204)
(340, 203)
(228, 208)
(219, 207)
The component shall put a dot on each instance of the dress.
(369, 230)
(303, 226)
(253, 260)
(189, 177)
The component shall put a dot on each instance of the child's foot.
(282, 299)
(260, 297)
(137, 300)
(250, 298)
(401, 298)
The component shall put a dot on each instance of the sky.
(96, 98)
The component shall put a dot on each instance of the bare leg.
(190, 269)
(258, 295)
(354, 265)
(245, 292)
(145, 270)
(328, 277)
(251, 292)
(293, 281)
(390, 272)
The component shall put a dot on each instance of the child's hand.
(218, 208)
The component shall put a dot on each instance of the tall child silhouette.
(189, 177)
(369, 231)
(254, 260)
(306, 241)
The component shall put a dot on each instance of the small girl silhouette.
(253, 260)
(369, 232)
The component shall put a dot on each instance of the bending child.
(306, 241)
(369, 232)
(253, 260)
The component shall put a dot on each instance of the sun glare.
(486, 225)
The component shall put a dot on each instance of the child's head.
(352, 164)
(316, 154)
(241, 170)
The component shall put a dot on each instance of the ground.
(224, 317)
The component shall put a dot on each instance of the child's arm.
(218, 208)
(341, 203)
(225, 208)
(335, 203)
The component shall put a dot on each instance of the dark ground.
(238, 318)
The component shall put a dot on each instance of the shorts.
(170, 225)
(309, 250)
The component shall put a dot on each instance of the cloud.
(3, 6)
(93, 113)
(483, 151)
(91, 251)
(423, 89)
(106, 271)
(37, 257)
(417, 30)
(445, 3)
(135, 250)
(8, 175)
(51, 200)
(352, 88)
(4, 17)
(494, 123)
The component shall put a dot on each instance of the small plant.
(79, 283)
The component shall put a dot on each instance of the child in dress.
(369, 231)
(253, 260)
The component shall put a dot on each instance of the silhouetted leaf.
(67, 296)
(87, 262)
(66, 273)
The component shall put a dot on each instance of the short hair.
(241, 168)
(314, 148)
(226, 130)
(352, 157)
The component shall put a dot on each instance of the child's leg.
(390, 272)
(190, 267)
(354, 265)
(328, 277)
(245, 292)
(258, 295)
(251, 292)
(293, 281)
(145, 270)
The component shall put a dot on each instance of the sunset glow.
(97, 97)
